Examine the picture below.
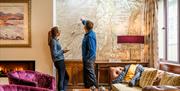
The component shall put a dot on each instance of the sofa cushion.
(24, 75)
(170, 79)
(130, 73)
(147, 78)
(124, 87)
(161, 88)
(158, 77)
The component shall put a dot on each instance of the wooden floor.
(82, 90)
(78, 89)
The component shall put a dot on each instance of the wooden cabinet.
(75, 71)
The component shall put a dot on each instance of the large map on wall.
(110, 17)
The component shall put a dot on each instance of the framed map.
(110, 17)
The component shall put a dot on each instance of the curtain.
(150, 30)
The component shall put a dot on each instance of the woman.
(57, 55)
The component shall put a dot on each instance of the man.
(89, 54)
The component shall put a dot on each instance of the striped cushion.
(170, 79)
(147, 78)
(124, 87)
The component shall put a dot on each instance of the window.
(168, 30)
(172, 37)
(161, 28)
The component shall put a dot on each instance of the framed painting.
(15, 24)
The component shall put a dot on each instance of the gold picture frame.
(15, 23)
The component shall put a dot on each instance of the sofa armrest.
(114, 72)
(45, 81)
(53, 84)
(161, 88)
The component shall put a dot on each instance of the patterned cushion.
(124, 87)
(15, 74)
(158, 78)
(130, 73)
(170, 79)
(27, 76)
(147, 78)
(161, 88)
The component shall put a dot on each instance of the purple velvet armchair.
(21, 88)
(32, 78)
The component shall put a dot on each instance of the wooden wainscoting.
(75, 71)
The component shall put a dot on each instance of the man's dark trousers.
(89, 76)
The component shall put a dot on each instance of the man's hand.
(66, 51)
(82, 18)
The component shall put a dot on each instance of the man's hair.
(89, 25)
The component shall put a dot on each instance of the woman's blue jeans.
(63, 76)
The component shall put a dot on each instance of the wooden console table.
(102, 69)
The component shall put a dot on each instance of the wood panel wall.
(75, 71)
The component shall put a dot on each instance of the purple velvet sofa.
(21, 88)
(32, 78)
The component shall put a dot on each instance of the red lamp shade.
(130, 39)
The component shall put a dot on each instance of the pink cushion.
(24, 75)
(15, 74)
